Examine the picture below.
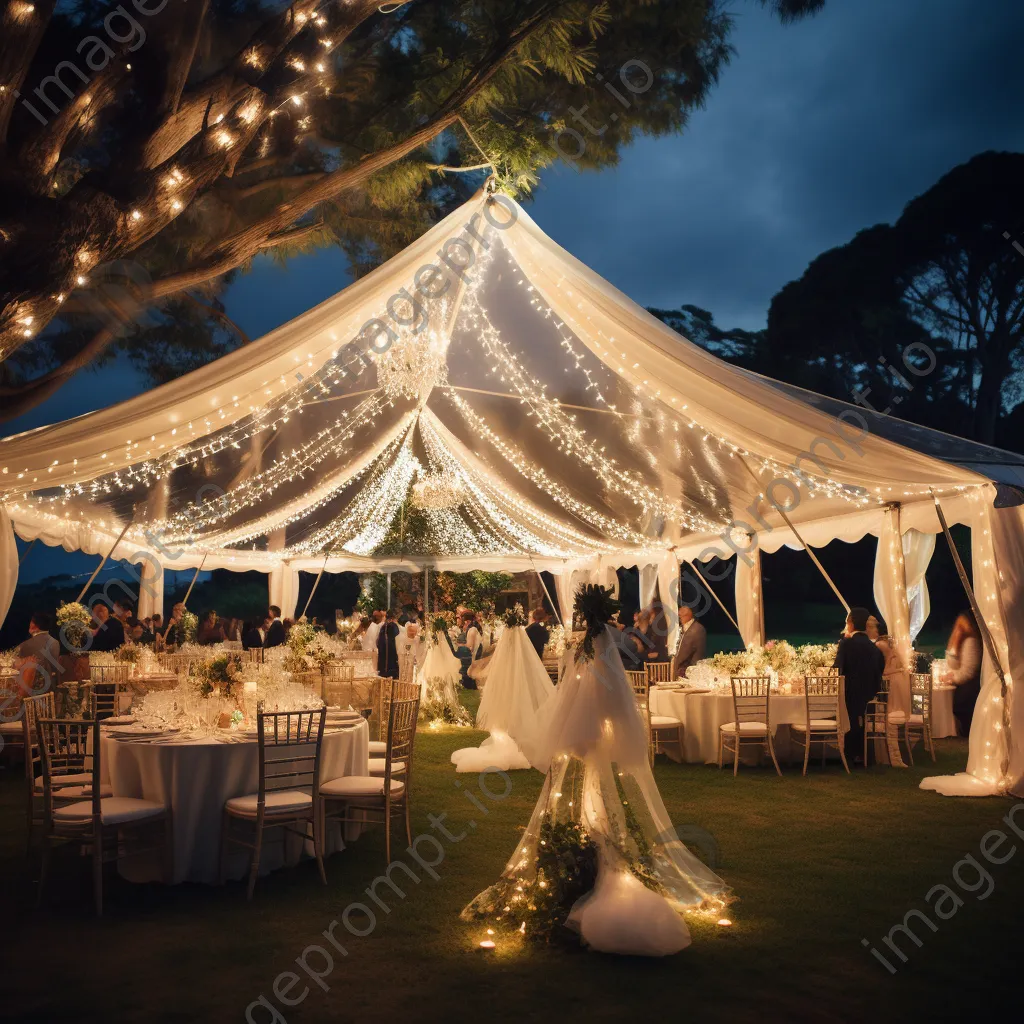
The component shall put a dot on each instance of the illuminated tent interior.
(485, 401)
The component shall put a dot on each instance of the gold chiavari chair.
(641, 693)
(11, 727)
(664, 728)
(658, 672)
(751, 720)
(823, 699)
(338, 683)
(352, 797)
(252, 655)
(112, 827)
(289, 765)
(920, 721)
(311, 678)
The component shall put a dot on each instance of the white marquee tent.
(484, 400)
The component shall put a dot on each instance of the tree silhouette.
(189, 137)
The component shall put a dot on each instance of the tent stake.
(796, 533)
(96, 572)
(188, 592)
(707, 587)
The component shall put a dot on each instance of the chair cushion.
(917, 719)
(377, 765)
(754, 728)
(72, 779)
(81, 792)
(664, 722)
(277, 802)
(897, 716)
(357, 787)
(817, 723)
(379, 747)
(11, 728)
(115, 810)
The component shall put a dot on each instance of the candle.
(487, 944)
(249, 689)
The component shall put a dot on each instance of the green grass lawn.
(817, 864)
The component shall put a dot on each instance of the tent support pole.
(316, 583)
(388, 601)
(990, 643)
(796, 533)
(426, 591)
(26, 551)
(188, 592)
(96, 571)
(547, 593)
(986, 635)
(707, 587)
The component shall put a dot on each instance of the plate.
(129, 731)
(119, 720)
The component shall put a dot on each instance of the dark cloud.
(816, 130)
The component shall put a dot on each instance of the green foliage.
(477, 590)
(525, 67)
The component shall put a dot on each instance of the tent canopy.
(483, 399)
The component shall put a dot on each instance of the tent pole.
(547, 592)
(426, 591)
(986, 635)
(972, 600)
(27, 550)
(388, 601)
(796, 533)
(707, 587)
(96, 572)
(188, 592)
(316, 583)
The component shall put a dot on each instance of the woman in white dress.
(517, 686)
(600, 854)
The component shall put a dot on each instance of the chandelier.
(441, 490)
(413, 366)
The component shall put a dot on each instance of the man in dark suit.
(109, 633)
(537, 631)
(387, 647)
(275, 631)
(861, 663)
(693, 643)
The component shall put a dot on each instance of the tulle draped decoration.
(600, 854)
(517, 686)
(439, 686)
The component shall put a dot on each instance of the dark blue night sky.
(817, 130)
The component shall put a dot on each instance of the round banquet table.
(195, 777)
(703, 713)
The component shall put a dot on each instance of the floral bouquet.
(595, 606)
(129, 652)
(515, 616)
(75, 623)
(220, 673)
(814, 658)
(188, 626)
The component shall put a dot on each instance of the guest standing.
(693, 643)
(537, 631)
(276, 635)
(251, 636)
(862, 664)
(387, 647)
(963, 658)
(109, 633)
(37, 661)
(210, 631)
(170, 636)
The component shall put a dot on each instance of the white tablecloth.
(702, 715)
(196, 778)
(943, 722)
